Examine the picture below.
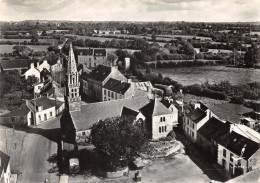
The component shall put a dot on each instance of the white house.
(196, 119)
(237, 154)
(5, 170)
(44, 109)
(43, 65)
(32, 72)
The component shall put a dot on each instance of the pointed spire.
(72, 67)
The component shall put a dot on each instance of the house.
(5, 170)
(196, 119)
(18, 117)
(92, 57)
(94, 82)
(237, 154)
(32, 72)
(43, 65)
(44, 109)
(21, 65)
(160, 120)
(144, 85)
(57, 67)
(207, 134)
(116, 89)
(134, 113)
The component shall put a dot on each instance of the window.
(224, 152)
(192, 125)
(108, 93)
(162, 129)
(231, 157)
(159, 129)
(192, 134)
(89, 59)
(40, 118)
(164, 119)
(51, 114)
(161, 119)
(112, 94)
(231, 168)
(165, 129)
(45, 116)
(105, 92)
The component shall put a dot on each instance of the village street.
(39, 144)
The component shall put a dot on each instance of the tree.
(111, 57)
(252, 56)
(27, 84)
(118, 139)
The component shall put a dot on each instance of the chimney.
(231, 128)
(38, 65)
(127, 63)
(129, 80)
(197, 105)
(149, 89)
(32, 65)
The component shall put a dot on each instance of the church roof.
(72, 67)
(90, 113)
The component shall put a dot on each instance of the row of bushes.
(186, 64)
(205, 92)
(23, 43)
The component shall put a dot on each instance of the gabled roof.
(117, 86)
(196, 115)
(17, 63)
(46, 103)
(93, 112)
(235, 143)
(5, 159)
(100, 73)
(214, 128)
(155, 108)
(166, 103)
(21, 111)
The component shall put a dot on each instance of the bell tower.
(73, 83)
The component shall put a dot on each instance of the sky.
(131, 10)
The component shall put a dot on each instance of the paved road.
(39, 145)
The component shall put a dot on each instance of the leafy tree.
(252, 56)
(111, 57)
(27, 84)
(118, 139)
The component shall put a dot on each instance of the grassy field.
(211, 74)
(50, 41)
(9, 48)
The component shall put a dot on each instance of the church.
(78, 118)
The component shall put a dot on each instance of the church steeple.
(72, 79)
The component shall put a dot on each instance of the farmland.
(9, 48)
(216, 74)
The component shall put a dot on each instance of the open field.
(110, 50)
(212, 74)
(9, 48)
(185, 37)
(50, 41)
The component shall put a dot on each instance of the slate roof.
(21, 111)
(129, 112)
(117, 86)
(229, 112)
(17, 63)
(235, 142)
(100, 52)
(46, 103)
(155, 108)
(93, 112)
(196, 115)
(100, 73)
(5, 159)
(214, 128)
(87, 51)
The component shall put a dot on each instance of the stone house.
(33, 71)
(94, 82)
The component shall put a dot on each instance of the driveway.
(39, 145)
